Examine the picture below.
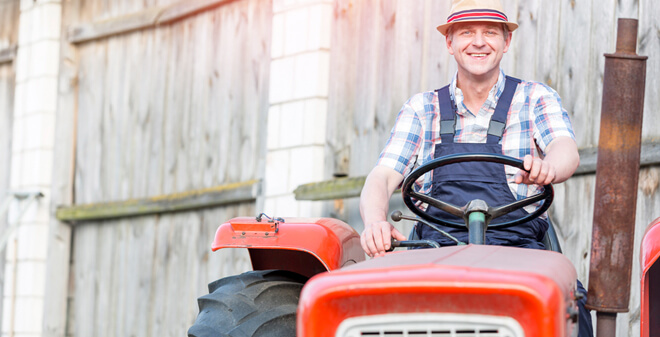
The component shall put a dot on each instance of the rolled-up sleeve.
(550, 118)
(405, 139)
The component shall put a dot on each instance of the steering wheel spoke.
(496, 212)
(439, 204)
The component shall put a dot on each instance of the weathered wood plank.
(133, 283)
(343, 188)
(406, 70)
(440, 67)
(8, 54)
(574, 84)
(153, 108)
(62, 190)
(372, 20)
(520, 60)
(572, 214)
(649, 45)
(86, 276)
(92, 75)
(342, 87)
(208, 197)
(184, 9)
(331, 189)
(650, 156)
(603, 32)
(255, 81)
(144, 19)
(120, 25)
(547, 54)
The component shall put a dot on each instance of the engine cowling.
(513, 291)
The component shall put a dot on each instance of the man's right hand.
(377, 238)
(374, 204)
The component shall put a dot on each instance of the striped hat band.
(477, 15)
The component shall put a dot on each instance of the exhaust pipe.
(617, 173)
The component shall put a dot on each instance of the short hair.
(505, 30)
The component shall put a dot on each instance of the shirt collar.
(491, 102)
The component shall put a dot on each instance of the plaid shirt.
(536, 113)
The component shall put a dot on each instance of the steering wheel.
(463, 212)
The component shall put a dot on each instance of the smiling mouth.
(479, 55)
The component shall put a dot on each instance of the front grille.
(430, 325)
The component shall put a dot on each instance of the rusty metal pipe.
(617, 173)
(605, 324)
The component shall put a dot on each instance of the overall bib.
(462, 182)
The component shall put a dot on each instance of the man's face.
(478, 47)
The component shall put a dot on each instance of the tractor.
(310, 277)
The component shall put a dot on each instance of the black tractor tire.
(253, 304)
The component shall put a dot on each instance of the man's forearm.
(374, 204)
(376, 194)
(563, 154)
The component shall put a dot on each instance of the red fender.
(306, 246)
(650, 263)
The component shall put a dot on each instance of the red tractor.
(310, 278)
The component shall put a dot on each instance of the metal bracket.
(275, 220)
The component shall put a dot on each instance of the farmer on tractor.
(481, 111)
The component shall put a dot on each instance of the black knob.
(396, 216)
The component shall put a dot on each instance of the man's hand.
(540, 172)
(374, 204)
(560, 162)
(377, 238)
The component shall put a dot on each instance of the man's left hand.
(540, 172)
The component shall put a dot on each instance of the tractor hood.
(531, 287)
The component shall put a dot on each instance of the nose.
(478, 40)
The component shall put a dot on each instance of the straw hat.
(476, 11)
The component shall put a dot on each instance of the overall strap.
(498, 121)
(447, 115)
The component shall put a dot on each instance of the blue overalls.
(462, 182)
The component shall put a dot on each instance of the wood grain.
(169, 111)
(179, 202)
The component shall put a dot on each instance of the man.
(463, 117)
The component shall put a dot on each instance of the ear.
(508, 42)
(448, 41)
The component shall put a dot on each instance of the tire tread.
(253, 304)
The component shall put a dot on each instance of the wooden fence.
(167, 98)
